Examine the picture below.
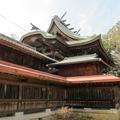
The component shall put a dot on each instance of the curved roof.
(80, 43)
(83, 42)
(44, 34)
(60, 25)
(73, 44)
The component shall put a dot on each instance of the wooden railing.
(12, 106)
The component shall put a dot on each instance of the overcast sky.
(92, 16)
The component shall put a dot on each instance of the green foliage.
(106, 43)
(111, 40)
(115, 71)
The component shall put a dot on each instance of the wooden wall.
(17, 57)
(17, 94)
(92, 68)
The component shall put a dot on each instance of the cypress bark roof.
(68, 42)
(61, 26)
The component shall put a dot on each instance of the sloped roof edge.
(44, 34)
(62, 28)
(104, 78)
(10, 68)
(84, 42)
(21, 46)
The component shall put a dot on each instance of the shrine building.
(54, 69)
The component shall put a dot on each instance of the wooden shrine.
(54, 69)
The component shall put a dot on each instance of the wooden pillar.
(19, 96)
(116, 96)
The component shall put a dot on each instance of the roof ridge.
(65, 30)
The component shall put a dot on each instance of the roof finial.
(71, 28)
(75, 31)
(63, 15)
(63, 21)
(79, 30)
(34, 27)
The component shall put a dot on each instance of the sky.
(91, 16)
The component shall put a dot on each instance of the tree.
(111, 42)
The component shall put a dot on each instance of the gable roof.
(74, 43)
(61, 26)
